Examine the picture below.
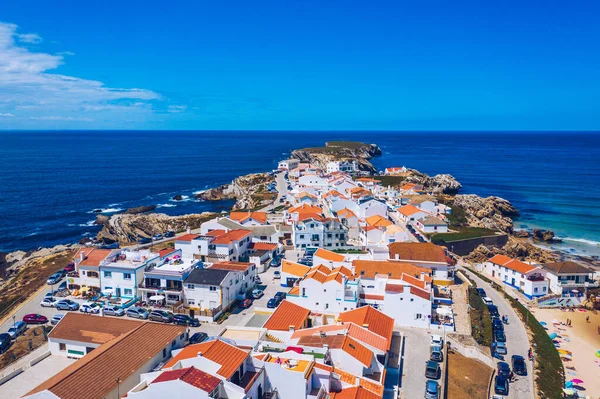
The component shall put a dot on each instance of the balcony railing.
(536, 278)
(574, 283)
(158, 287)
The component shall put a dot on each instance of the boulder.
(544, 235)
(178, 197)
(521, 233)
(140, 209)
(492, 212)
(101, 219)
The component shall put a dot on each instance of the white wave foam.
(184, 198)
(199, 192)
(581, 240)
(115, 204)
(166, 205)
(105, 210)
(88, 224)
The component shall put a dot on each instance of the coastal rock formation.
(339, 151)
(102, 219)
(544, 235)
(126, 228)
(178, 197)
(438, 184)
(515, 248)
(140, 209)
(491, 212)
(249, 191)
(17, 259)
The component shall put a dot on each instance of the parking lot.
(416, 354)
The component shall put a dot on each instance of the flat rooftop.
(234, 333)
(300, 366)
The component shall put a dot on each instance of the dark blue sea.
(52, 181)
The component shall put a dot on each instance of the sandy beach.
(582, 339)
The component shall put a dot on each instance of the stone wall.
(465, 247)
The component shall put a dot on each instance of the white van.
(487, 301)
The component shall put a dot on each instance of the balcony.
(156, 287)
(588, 283)
(536, 277)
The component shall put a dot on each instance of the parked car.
(497, 324)
(144, 240)
(5, 341)
(257, 280)
(62, 286)
(185, 320)
(114, 245)
(66, 304)
(487, 301)
(137, 313)
(435, 353)
(55, 278)
(437, 340)
(272, 304)
(112, 310)
(17, 329)
(88, 307)
(56, 318)
(70, 267)
(432, 390)
(280, 296)
(499, 348)
(257, 294)
(519, 365)
(246, 303)
(161, 315)
(50, 294)
(49, 302)
(493, 310)
(501, 385)
(157, 237)
(275, 262)
(481, 292)
(432, 370)
(198, 337)
(169, 234)
(34, 318)
(499, 336)
(310, 251)
(277, 275)
(503, 369)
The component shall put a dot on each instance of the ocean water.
(51, 182)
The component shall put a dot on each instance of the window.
(182, 336)
(301, 235)
(164, 352)
(108, 274)
(544, 289)
(329, 235)
(127, 292)
(191, 286)
(535, 289)
(62, 347)
(412, 299)
(418, 316)
(127, 276)
(326, 306)
(303, 291)
(213, 288)
(191, 302)
(173, 344)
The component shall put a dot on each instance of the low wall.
(465, 247)
(11, 375)
(38, 359)
(472, 352)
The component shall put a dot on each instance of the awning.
(157, 297)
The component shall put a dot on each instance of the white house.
(410, 213)
(529, 279)
(288, 164)
(569, 278)
(249, 218)
(244, 276)
(342, 166)
(371, 207)
(216, 245)
(87, 268)
(313, 180)
(209, 291)
(317, 231)
(122, 272)
(432, 224)
(427, 255)
(292, 272)
(395, 170)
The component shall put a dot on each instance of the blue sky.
(431, 65)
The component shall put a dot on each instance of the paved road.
(416, 354)
(517, 341)
(281, 191)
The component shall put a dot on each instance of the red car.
(34, 318)
(70, 267)
(246, 303)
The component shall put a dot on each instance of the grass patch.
(386, 180)
(278, 208)
(349, 251)
(467, 378)
(457, 218)
(481, 321)
(32, 339)
(464, 233)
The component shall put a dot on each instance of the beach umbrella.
(576, 381)
(553, 335)
(569, 391)
(543, 323)
(569, 384)
(157, 297)
(565, 352)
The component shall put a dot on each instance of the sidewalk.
(24, 361)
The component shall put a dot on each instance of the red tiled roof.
(372, 319)
(519, 267)
(408, 210)
(394, 269)
(355, 393)
(413, 281)
(357, 351)
(374, 297)
(420, 293)
(421, 251)
(94, 257)
(264, 246)
(329, 255)
(80, 327)
(227, 356)
(233, 266)
(164, 252)
(287, 314)
(243, 216)
(215, 233)
(368, 337)
(295, 269)
(500, 259)
(192, 376)
(231, 236)
(187, 237)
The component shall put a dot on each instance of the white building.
(313, 180)
(427, 255)
(288, 164)
(342, 166)
(372, 207)
(123, 271)
(395, 170)
(529, 279)
(569, 278)
(216, 245)
(209, 291)
(410, 213)
(318, 231)
(432, 224)
(87, 268)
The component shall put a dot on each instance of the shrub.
(481, 322)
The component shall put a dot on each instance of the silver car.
(113, 311)
(56, 318)
(17, 329)
(48, 302)
(137, 313)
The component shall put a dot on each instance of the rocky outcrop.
(102, 219)
(177, 197)
(515, 248)
(15, 260)
(438, 184)
(544, 236)
(126, 228)
(491, 213)
(249, 191)
(339, 151)
(140, 209)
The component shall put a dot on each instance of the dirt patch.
(32, 339)
(467, 378)
(30, 278)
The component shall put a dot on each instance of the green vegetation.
(388, 180)
(462, 234)
(349, 251)
(337, 147)
(457, 218)
(481, 322)
(278, 208)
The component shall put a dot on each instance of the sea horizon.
(64, 175)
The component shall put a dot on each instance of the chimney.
(189, 231)
(199, 354)
(81, 256)
(365, 325)
(292, 328)
(397, 256)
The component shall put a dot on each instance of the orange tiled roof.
(294, 291)
(420, 293)
(264, 246)
(519, 267)
(408, 210)
(215, 233)
(286, 315)
(422, 251)
(344, 270)
(372, 319)
(164, 252)
(373, 386)
(94, 257)
(413, 281)
(329, 255)
(378, 221)
(187, 237)
(307, 215)
(323, 367)
(231, 236)
(305, 208)
(243, 216)
(233, 266)
(82, 327)
(500, 259)
(374, 297)
(295, 269)
(346, 213)
(366, 336)
(308, 332)
(227, 356)
(192, 376)
(355, 393)
(345, 376)
(357, 351)
(95, 375)
(394, 269)
(315, 274)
